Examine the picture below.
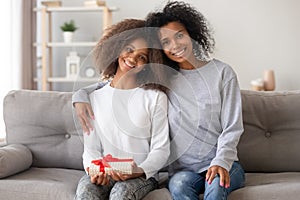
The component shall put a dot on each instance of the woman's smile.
(179, 53)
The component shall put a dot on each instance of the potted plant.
(68, 29)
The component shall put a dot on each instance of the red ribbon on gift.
(104, 162)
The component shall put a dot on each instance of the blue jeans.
(186, 185)
(133, 189)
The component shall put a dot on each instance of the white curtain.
(17, 54)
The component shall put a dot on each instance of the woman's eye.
(179, 35)
(164, 43)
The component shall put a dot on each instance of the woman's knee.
(179, 181)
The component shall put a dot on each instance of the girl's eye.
(128, 49)
(143, 58)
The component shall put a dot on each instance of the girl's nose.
(132, 59)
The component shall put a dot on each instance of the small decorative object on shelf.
(269, 80)
(72, 65)
(51, 3)
(109, 163)
(88, 72)
(68, 29)
(257, 84)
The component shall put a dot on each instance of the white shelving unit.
(46, 44)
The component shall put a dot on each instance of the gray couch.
(42, 158)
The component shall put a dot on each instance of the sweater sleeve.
(92, 148)
(232, 124)
(160, 144)
(82, 95)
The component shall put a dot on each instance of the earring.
(199, 52)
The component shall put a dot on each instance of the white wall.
(251, 35)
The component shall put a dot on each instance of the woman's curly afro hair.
(195, 23)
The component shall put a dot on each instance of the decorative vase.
(269, 80)
(68, 36)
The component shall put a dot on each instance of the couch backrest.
(43, 121)
(271, 140)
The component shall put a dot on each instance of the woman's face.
(176, 42)
(133, 56)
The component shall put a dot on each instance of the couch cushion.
(269, 186)
(43, 122)
(41, 184)
(270, 142)
(14, 158)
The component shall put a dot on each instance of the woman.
(205, 116)
(206, 121)
(131, 119)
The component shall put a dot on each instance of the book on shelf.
(94, 3)
(51, 3)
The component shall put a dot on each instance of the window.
(9, 74)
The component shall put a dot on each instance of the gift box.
(110, 163)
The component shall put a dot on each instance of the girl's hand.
(85, 113)
(223, 173)
(136, 172)
(101, 179)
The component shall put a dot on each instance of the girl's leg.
(214, 191)
(186, 185)
(133, 189)
(87, 190)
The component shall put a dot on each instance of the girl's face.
(176, 42)
(133, 56)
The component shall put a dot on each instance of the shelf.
(47, 46)
(66, 80)
(72, 44)
(76, 9)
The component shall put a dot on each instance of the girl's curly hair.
(195, 23)
(115, 39)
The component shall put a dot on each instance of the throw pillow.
(14, 158)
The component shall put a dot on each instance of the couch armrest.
(14, 158)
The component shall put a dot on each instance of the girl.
(131, 116)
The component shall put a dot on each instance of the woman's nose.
(173, 44)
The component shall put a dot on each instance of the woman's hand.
(223, 173)
(136, 172)
(85, 113)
